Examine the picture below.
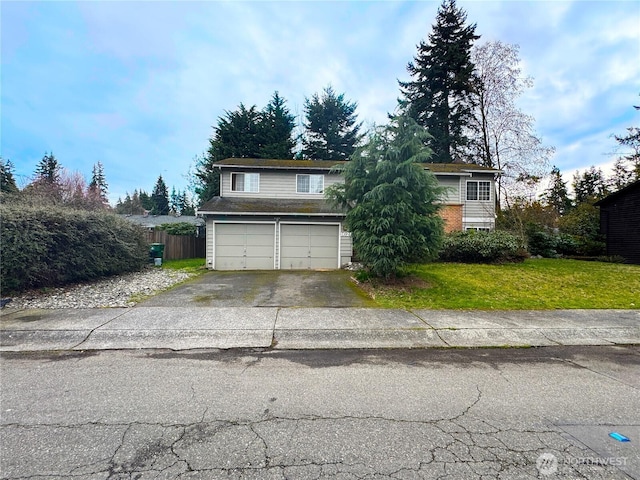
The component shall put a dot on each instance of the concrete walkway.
(181, 328)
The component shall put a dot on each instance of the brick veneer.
(452, 215)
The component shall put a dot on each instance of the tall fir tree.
(245, 133)
(7, 180)
(277, 124)
(98, 187)
(237, 135)
(160, 198)
(48, 169)
(439, 96)
(590, 186)
(557, 196)
(331, 127)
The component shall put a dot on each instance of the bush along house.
(273, 215)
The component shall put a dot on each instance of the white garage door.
(244, 246)
(308, 246)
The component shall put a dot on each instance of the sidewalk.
(181, 328)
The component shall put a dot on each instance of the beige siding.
(210, 235)
(276, 185)
(452, 184)
(346, 247)
(479, 213)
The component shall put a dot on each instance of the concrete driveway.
(265, 289)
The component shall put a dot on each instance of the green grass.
(532, 285)
(191, 265)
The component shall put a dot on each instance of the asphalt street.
(404, 414)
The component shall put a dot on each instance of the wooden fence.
(178, 246)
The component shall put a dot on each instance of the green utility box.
(156, 252)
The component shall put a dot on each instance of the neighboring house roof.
(458, 168)
(268, 206)
(616, 195)
(273, 164)
(151, 221)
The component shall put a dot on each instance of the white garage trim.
(336, 225)
(217, 248)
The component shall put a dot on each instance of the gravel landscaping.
(110, 292)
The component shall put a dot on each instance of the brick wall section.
(452, 215)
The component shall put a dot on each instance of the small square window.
(245, 182)
(310, 183)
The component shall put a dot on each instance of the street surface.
(401, 414)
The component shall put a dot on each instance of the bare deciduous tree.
(507, 139)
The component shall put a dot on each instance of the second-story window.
(310, 183)
(245, 182)
(479, 191)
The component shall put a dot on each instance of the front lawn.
(532, 285)
(191, 265)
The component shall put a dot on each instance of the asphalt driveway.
(265, 289)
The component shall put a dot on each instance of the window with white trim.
(477, 229)
(245, 182)
(309, 183)
(477, 190)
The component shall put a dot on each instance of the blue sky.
(139, 85)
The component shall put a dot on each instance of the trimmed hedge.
(180, 228)
(52, 246)
(482, 247)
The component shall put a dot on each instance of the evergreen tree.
(331, 131)
(160, 198)
(277, 123)
(145, 200)
(98, 186)
(556, 196)
(174, 202)
(439, 97)
(48, 170)
(631, 159)
(590, 186)
(622, 175)
(7, 180)
(237, 135)
(392, 202)
(187, 206)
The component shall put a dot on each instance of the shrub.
(49, 246)
(541, 243)
(180, 228)
(482, 247)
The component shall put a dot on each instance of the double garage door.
(252, 246)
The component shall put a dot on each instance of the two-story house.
(272, 214)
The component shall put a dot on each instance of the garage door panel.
(322, 241)
(244, 246)
(324, 252)
(229, 240)
(307, 246)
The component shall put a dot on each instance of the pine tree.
(48, 170)
(590, 186)
(145, 201)
(98, 186)
(331, 128)
(160, 198)
(276, 124)
(7, 180)
(557, 196)
(439, 97)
